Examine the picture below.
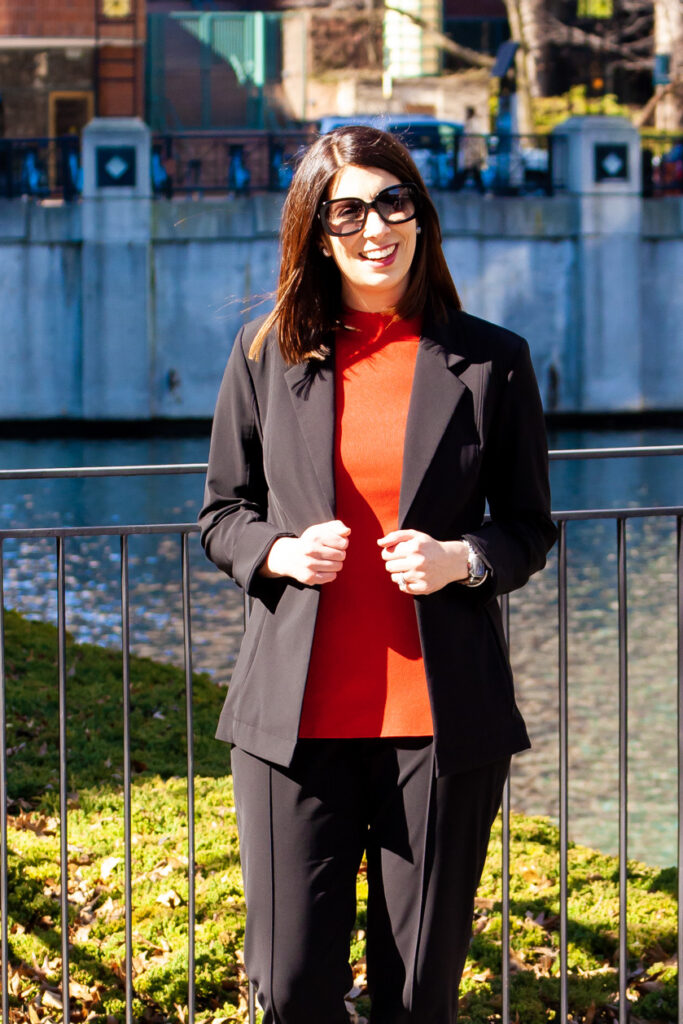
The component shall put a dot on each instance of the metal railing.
(41, 168)
(61, 535)
(240, 161)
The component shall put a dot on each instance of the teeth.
(379, 254)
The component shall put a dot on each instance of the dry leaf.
(52, 999)
(79, 991)
(170, 899)
(107, 866)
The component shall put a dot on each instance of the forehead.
(360, 182)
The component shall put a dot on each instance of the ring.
(401, 580)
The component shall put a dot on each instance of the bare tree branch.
(569, 35)
(643, 116)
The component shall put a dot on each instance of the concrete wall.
(128, 308)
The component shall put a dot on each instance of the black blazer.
(475, 433)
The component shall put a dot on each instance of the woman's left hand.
(419, 564)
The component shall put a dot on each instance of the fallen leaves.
(34, 822)
(170, 899)
(107, 866)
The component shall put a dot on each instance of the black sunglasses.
(396, 204)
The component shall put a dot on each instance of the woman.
(359, 431)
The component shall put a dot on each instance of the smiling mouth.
(380, 254)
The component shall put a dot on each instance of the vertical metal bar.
(623, 769)
(128, 885)
(564, 761)
(251, 1003)
(4, 895)
(251, 993)
(679, 548)
(63, 789)
(505, 863)
(191, 909)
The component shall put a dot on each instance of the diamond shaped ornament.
(116, 167)
(612, 164)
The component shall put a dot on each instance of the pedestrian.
(472, 155)
(359, 431)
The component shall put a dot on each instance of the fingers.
(322, 550)
(410, 584)
(395, 537)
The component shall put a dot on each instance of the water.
(93, 610)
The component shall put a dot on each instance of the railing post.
(624, 1007)
(128, 885)
(63, 789)
(679, 559)
(189, 719)
(4, 894)
(505, 863)
(564, 764)
(251, 991)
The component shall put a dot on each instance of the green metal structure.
(195, 61)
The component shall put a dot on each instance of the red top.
(366, 676)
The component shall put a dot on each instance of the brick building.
(63, 61)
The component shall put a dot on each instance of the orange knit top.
(366, 676)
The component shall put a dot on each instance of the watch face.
(116, 8)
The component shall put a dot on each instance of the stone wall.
(127, 308)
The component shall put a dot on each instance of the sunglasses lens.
(396, 204)
(344, 217)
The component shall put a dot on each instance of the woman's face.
(374, 263)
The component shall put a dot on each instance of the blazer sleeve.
(515, 541)
(235, 531)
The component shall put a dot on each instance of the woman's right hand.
(313, 558)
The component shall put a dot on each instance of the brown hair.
(308, 299)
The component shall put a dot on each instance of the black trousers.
(303, 831)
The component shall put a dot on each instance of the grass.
(160, 917)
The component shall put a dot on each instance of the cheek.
(340, 254)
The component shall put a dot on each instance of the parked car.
(432, 143)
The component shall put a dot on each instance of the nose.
(374, 225)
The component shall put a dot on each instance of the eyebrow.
(342, 198)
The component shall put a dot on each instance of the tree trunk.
(669, 40)
(526, 18)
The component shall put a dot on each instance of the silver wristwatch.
(477, 571)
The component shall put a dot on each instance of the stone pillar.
(600, 162)
(117, 278)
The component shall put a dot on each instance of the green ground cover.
(159, 868)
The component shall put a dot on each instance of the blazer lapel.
(311, 389)
(437, 389)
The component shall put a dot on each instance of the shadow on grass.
(94, 697)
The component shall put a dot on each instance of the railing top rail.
(79, 472)
(135, 529)
(110, 530)
(659, 511)
(633, 451)
(186, 468)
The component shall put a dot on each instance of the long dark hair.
(308, 301)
